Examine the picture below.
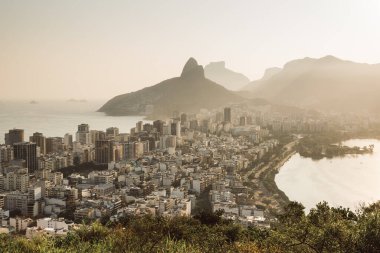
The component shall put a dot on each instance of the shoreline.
(338, 149)
(266, 192)
(276, 169)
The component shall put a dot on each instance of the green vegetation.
(84, 169)
(324, 229)
(323, 145)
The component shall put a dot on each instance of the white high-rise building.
(178, 129)
(83, 134)
(139, 127)
(68, 140)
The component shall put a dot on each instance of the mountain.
(189, 92)
(271, 72)
(327, 83)
(267, 75)
(217, 72)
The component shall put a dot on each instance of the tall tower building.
(68, 140)
(104, 151)
(178, 129)
(40, 140)
(83, 134)
(129, 150)
(14, 136)
(83, 128)
(227, 114)
(173, 128)
(112, 132)
(96, 135)
(159, 125)
(139, 127)
(139, 149)
(26, 151)
(183, 118)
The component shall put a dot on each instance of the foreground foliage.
(324, 229)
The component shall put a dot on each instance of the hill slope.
(217, 72)
(188, 93)
(267, 75)
(327, 83)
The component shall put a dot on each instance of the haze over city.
(100, 49)
(195, 126)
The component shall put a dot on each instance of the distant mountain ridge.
(189, 92)
(268, 74)
(327, 83)
(217, 72)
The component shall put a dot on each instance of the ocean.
(56, 118)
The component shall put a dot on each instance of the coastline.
(279, 166)
(266, 192)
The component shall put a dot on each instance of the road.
(266, 192)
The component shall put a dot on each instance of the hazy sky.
(99, 49)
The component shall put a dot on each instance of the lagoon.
(347, 181)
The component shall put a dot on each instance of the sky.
(92, 49)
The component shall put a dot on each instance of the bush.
(324, 229)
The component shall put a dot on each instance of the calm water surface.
(345, 181)
(55, 118)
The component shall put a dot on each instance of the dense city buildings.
(165, 167)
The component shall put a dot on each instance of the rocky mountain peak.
(192, 69)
